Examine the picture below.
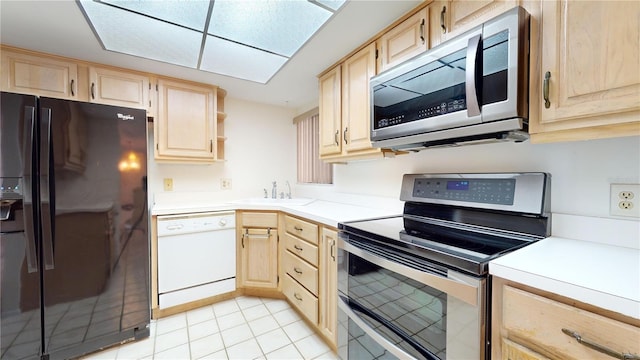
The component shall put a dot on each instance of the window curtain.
(310, 168)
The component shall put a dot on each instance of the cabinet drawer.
(260, 220)
(302, 229)
(304, 273)
(301, 298)
(301, 248)
(540, 321)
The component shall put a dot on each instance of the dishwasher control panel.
(183, 224)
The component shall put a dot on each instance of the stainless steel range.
(416, 285)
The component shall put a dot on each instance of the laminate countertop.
(599, 267)
(592, 260)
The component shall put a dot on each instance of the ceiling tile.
(189, 13)
(232, 59)
(130, 33)
(277, 26)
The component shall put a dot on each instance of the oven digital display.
(488, 191)
(457, 185)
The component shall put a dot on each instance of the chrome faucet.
(274, 191)
(289, 191)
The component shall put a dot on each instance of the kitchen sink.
(264, 201)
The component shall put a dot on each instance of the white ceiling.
(59, 27)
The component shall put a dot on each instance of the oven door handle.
(379, 339)
(450, 285)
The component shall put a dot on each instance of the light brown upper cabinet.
(404, 41)
(329, 109)
(344, 108)
(119, 88)
(185, 126)
(37, 75)
(590, 71)
(462, 15)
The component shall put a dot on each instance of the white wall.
(260, 148)
(581, 171)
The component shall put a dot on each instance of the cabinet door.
(330, 114)
(356, 72)
(328, 292)
(118, 88)
(404, 41)
(462, 15)
(590, 50)
(34, 75)
(186, 122)
(259, 248)
(437, 15)
(513, 351)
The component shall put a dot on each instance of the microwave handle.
(472, 71)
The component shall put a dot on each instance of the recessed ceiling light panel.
(277, 26)
(232, 59)
(189, 13)
(127, 32)
(246, 39)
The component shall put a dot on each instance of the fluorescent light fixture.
(245, 39)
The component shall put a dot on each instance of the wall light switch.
(168, 184)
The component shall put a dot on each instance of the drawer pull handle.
(174, 227)
(298, 297)
(298, 271)
(297, 247)
(296, 228)
(598, 347)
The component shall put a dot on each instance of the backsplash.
(261, 148)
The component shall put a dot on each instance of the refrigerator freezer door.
(20, 326)
(97, 293)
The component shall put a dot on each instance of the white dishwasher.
(196, 256)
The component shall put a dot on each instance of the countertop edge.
(526, 267)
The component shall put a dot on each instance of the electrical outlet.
(225, 184)
(625, 200)
(168, 184)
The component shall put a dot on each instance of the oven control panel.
(525, 192)
(489, 191)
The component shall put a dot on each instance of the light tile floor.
(241, 328)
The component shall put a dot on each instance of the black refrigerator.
(74, 229)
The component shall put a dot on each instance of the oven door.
(394, 306)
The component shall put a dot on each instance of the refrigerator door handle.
(27, 202)
(47, 199)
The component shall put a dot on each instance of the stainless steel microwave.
(472, 88)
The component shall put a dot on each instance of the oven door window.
(405, 312)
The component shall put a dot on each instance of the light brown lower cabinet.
(258, 249)
(530, 324)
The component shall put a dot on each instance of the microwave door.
(426, 94)
(505, 64)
